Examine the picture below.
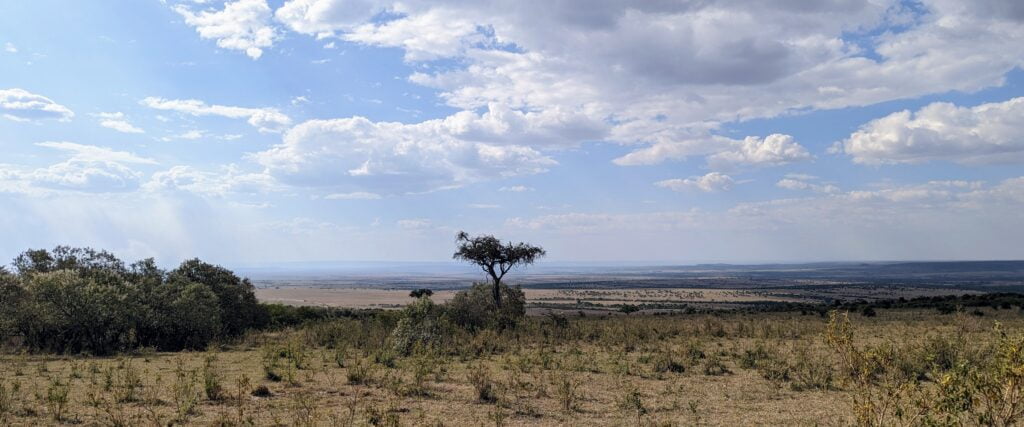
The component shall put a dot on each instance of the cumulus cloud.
(117, 121)
(437, 33)
(722, 153)
(702, 65)
(22, 105)
(393, 157)
(264, 119)
(987, 133)
(228, 180)
(323, 18)
(242, 25)
(702, 62)
(10, 47)
(772, 150)
(87, 168)
(709, 183)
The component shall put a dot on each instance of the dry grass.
(367, 298)
(730, 369)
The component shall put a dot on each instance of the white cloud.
(94, 153)
(393, 157)
(987, 133)
(516, 189)
(805, 182)
(436, 33)
(483, 206)
(264, 119)
(10, 47)
(702, 64)
(21, 105)
(722, 153)
(710, 183)
(118, 122)
(773, 150)
(356, 195)
(325, 17)
(87, 168)
(228, 180)
(675, 150)
(242, 25)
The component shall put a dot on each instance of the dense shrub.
(79, 300)
(475, 308)
(421, 327)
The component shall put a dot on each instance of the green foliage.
(475, 309)
(79, 300)
(212, 381)
(421, 327)
(495, 258)
(57, 398)
(235, 296)
(480, 377)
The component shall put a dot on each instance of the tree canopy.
(79, 300)
(494, 257)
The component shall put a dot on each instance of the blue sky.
(249, 131)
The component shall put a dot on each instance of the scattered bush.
(261, 391)
(714, 365)
(480, 377)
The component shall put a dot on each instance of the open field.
(667, 288)
(604, 299)
(721, 369)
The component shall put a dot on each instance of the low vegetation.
(91, 341)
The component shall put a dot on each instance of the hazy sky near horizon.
(249, 131)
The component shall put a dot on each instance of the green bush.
(421, 327)
(79, 300)
(475, 308)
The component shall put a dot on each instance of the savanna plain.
(953, 359)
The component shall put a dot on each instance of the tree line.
(81, 300)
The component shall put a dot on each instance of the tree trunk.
(497, 292)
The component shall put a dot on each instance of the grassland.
(597, 300)
(699, 369)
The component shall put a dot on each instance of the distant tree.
(85, 261)
(420, 293)
(494, 257)
(629, 308)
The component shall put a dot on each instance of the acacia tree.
(494, 257)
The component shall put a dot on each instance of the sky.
(738, 131)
